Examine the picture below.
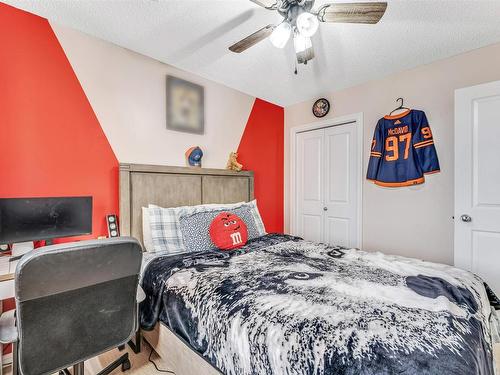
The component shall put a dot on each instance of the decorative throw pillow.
(195, 227)
(228, 231)
(164, 224)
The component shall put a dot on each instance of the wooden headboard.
(142, 184)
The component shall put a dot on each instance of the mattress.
(282, 305)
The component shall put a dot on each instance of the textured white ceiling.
(194, 35)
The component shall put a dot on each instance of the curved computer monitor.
(32, 219)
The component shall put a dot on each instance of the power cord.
(156, 366)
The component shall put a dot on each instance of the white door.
(340, 184)
(477, 181)
(327, 185)
(309, 185)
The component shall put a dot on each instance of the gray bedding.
(282, 305)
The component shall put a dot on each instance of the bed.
(282, 305)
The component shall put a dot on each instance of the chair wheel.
(126, 365)
(121, 347)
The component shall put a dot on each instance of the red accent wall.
(51, 141)
(261, 150)
(53, 145)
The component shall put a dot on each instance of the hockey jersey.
(402, 150)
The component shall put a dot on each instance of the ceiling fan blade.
(268, 4)
(352, 12)
(252, 39)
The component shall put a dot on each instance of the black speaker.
(113, 230)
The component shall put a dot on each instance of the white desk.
(6, 286)
(6, 291)
(7, 270)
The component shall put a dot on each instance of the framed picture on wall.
(185, 106)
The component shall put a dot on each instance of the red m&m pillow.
(228, 231)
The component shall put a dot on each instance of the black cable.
(156, 367)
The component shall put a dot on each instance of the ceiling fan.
(301, 21)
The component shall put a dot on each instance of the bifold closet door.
(309, 185)
(326, 185)
(340, 186)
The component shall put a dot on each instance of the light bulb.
(303, 48)
(280, 35)
(307, 24)
(301, 43)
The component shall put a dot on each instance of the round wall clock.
(321, 107)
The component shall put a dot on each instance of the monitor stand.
(19, 249)
(23, 248)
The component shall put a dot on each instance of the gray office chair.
(74, 302)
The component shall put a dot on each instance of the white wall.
(128, 94)
(414, 221)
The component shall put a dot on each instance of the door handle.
(466, 218)
(325, 208)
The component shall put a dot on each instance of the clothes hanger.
(401, 106)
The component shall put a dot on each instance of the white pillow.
(147, 240)
(258, 219)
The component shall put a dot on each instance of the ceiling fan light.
(280, 35)
(307, 24)
(303, 48)
(301, 43)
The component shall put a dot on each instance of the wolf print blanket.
(281, 305)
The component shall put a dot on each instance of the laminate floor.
(141, 365)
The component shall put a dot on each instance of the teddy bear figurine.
(232, 163)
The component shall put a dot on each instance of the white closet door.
(326, 185)
(309, 185)
(340, 185)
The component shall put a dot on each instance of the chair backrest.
(75, 301)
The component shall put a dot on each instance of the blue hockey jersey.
(402, 150)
